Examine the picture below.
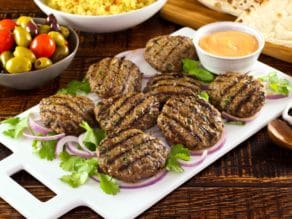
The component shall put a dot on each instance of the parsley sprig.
(276, 85)
(178, 152)
(45, 149)
(82, 169)
(76, 87)
(16, 126)
(93, 136)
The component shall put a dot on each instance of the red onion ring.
(214, 148)
(35, 126)
(144, 183)
(229, 117)
(75, 151)
(82, 145)
(197, 162)
(275, 96)
(43, 138)
(62, 142)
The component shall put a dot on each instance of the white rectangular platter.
(127, 203)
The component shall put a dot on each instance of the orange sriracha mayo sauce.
(229, 43)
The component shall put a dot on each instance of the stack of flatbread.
(273, 18)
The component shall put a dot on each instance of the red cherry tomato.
(43, 46)
(6, 40)
(7, 24)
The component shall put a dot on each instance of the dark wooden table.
(252, 181)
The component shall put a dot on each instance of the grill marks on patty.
(135, 110)
(165, 86)
(165, 53)
(190, 121)
(114, 76)
(64, 113)
(131, 155)
(237, 94)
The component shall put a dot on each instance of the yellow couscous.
(97, 7)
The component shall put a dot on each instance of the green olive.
(65, 31)
(58, 38)
(60, 53)
(4, 57)
(22, 37)
(18, 65)
(23, 21)
(44, 29)
(42, 62)
(25, 52)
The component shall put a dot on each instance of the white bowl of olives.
(39, 50)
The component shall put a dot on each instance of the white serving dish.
(128, 203)
(221, 64)
(103, 23)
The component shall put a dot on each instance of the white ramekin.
(222, 64)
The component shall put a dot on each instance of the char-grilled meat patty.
(114, 76)
(168, 85)
(165, 53)
(237, 94)
(64, 113)
(131, 155)
(135, 110)
(190, 121)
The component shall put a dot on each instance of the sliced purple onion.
(275, 96)
(72, 147)
(196, 162)
(144, 183)
(43, 138)
(35, 126)
(82, 145)
(229, 117)
(62, 142)
(214, 148)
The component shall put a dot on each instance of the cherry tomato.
(6, 40)
(7, 24)
(43, 46)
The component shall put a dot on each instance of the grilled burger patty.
(190, 121)
(165, 53)
(64, 113)
(135, 110)
(131, 155)
(114, 76)
(237, 94)
(172, 84)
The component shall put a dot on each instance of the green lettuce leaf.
(194, 68)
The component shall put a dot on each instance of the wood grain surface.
(252, 181)
(192, 13)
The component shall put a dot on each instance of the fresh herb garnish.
(276, 85)
(16, 126)
(236, 123)
(108, 184)
(194, 68)
(92, 137)
(45, 149)
(81, 169)
(178, 152)
(204, 95)
(75, 88)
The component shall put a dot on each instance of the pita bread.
(234, 7)
(273, 19)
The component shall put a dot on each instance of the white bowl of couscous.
(101, 16)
